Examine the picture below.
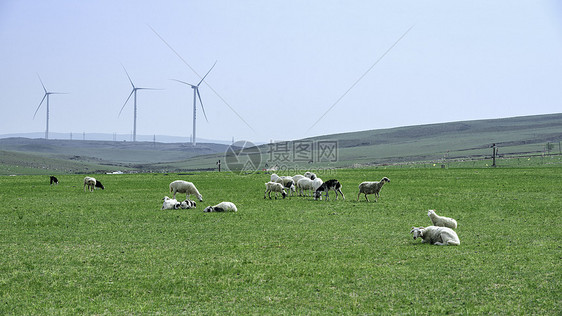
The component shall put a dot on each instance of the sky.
(285, 69)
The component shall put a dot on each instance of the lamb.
(180, 186)
(441, 220)
(327, 186)
(170, 204)
(92, 183)
(222, 207)
(372, 187)
(310, 175)
(435, 235)
(304, 184)
(274, 187)
(53, 180)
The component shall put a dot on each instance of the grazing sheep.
(54, 180)
(222, 207)
(170, 204)
(188, 204)
(274, 187)
(92, 183)
(287, 183)
(305, 185)
(435, 235)
(372, 187)
(441, 220)
(275, 178)
(180, 186)
(310, 175)
(327, 186)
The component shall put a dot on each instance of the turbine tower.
(134, 91)
(45, 96)
(195, 96)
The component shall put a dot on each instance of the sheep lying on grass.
(222, 207)
(180, 186)
(170, 204)
(441, 220)
(371, 187)
(173, 204)
(327, 186)
(275, 188)
(92, 183)
(440, 236)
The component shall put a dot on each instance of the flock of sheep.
(441, 233)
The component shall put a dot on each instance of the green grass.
(66, 251)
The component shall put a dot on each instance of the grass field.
(66, 251)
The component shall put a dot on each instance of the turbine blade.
(42, 83)
(133, 91)
(44, 96)
(131, 81)
(206, 74)
(187, 83)
(148, 89)
(202, 107)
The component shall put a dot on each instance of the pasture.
(66, 251)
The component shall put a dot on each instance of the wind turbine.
(134, 91)
(195, 96)
(46, 95)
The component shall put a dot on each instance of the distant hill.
(431, 142)
(527, 135)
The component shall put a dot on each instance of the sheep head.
(417, 232)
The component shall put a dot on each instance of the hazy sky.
(281, 64)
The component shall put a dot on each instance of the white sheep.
(297, 177)
(316, 183)
(371, 187)
(180, 186)
(92, 183)
(222, 207)
(304, 185)
(435, 235)
(441, 220)
(310, 175)
(170, 204)
(288, 183)
(275, 178)
(274, 187)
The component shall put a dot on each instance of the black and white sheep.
(53, 180)
(222, 207)
(305, 185)
(275, 188)
(371, 187)
(170, 204)
(435, 235)
(441, 220)
(180, 186)
(333, 184)
(92, 183)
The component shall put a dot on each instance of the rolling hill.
(528, 135)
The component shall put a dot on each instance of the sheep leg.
(264, 195)
(343, 196)
(366, 198)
